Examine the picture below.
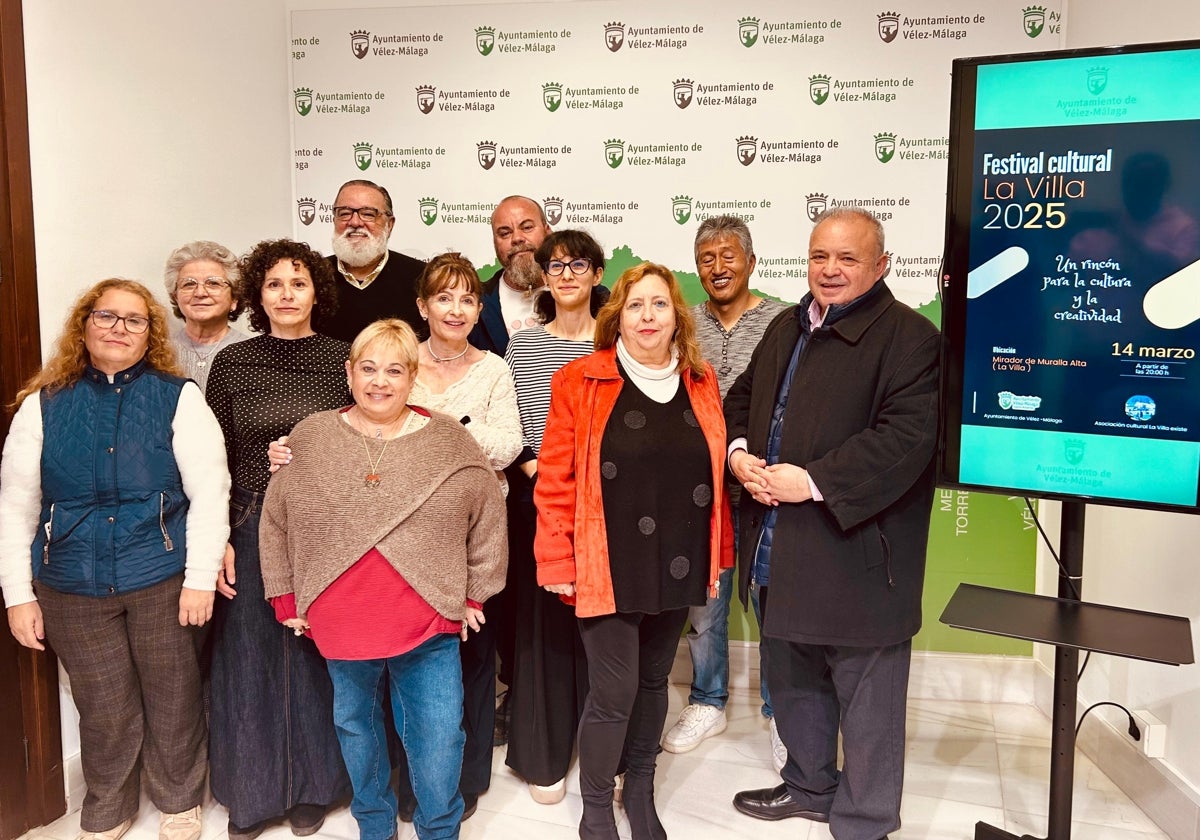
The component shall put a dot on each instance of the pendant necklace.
(373, 477)
(439, 359)
(201, 358)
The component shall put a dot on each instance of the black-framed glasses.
(578, 266)
(105, 320)
(367, 214)
(212, 285)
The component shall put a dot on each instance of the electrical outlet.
(1154, 734)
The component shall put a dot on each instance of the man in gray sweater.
(728, 325)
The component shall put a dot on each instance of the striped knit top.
(534, 356)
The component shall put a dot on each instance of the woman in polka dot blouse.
(633, 526)
(273, 750)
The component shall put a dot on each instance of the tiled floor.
(966, 762)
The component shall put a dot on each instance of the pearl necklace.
(441, 359)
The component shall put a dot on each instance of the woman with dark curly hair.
(272, 746)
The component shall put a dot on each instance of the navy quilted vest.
(113, 508)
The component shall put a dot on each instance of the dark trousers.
(817, 689)
(549, 678)
(629, 659)
(272, 742)
(136, 682)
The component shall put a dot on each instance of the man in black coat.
(832, 429)
(373, 282)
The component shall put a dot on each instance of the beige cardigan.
(437, 515)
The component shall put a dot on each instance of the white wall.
(1138, 559)
(153, 123)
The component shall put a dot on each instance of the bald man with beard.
(518, 228)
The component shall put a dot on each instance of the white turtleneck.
(659, 384)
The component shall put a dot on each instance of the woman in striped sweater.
(549, 671)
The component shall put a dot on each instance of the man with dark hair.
(728, 326)
(373, 282)
(832, 429)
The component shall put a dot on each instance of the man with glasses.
(376, 282)
(204, 287)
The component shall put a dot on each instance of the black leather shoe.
(306, 819)
(249, 833)
(406, 807)
(774, 804)
(470, 805)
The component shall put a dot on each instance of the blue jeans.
(427, 701)
(708, 641)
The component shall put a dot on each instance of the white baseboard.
(73, 778)
(1154, 785)
(935, 676)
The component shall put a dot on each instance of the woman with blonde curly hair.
(113, 495)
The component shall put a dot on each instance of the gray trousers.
(817, 690)
(135, 678)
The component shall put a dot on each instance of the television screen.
(1071, 285)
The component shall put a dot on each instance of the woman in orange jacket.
(633, 526)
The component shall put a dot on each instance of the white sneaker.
(112, 834)
(778, 750)
(549, 794)
(185, 825)
(696, 722)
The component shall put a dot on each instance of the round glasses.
(105, 320)
(556, 267)
(212, 285)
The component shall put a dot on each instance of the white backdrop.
(636, 123)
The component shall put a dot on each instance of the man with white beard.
(518, 228)
(375, 282)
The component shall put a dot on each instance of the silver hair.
(202, 249)
(718, 226)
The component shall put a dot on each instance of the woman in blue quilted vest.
(113, 500)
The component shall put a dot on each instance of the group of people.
(411, 483)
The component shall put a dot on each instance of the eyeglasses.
(556, 267)
(212, 285)
(105, 320)
(367, 214)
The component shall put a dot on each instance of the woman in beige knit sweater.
(382, 540)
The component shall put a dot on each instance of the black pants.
(629, 660)
(817, 690)
(549, 676)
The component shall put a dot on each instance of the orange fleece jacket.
(571, 545)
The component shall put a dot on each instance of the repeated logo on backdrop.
(772, 112)
(638, 121)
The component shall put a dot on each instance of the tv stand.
(1071, 625)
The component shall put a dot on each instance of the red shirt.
(369, 612)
